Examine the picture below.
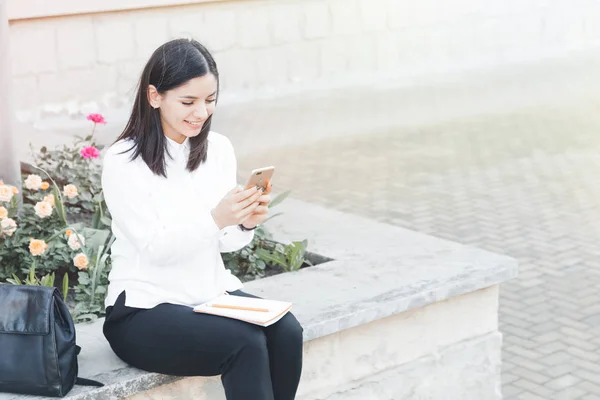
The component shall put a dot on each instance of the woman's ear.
(154, 98)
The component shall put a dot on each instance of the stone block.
(304, 60)
(75, 43)
(218, 29)
(25, 92)
(362, 54)
(387, 51)
(128, 75)
(398, 13)
(186, 23)
(285, 21)
(151, 31)
(317, 22)
(345, 15)
(33, 50)
(237, 70)
(373, 16)
(79, 85)
(271, 65)
(335, 56)
(252, 27)
(114, 39)
(469, 370)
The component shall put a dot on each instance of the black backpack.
(38, 354)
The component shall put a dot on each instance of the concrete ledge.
(445, 375)
(385, 281)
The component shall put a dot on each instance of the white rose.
(49, 199)
(9, 226)
(76, 243)
(43, 209)
(6, 193)
(70, 191)
(33, 182)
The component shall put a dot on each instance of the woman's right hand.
(236, 206)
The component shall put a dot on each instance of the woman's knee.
(253, 339)
(289, 328)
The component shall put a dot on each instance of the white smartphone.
(259, 177)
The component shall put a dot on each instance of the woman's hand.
(236, 207)
(261, 213)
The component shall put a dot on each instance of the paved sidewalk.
(523, 184)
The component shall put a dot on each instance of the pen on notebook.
(238, 307)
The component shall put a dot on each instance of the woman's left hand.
(261, 214)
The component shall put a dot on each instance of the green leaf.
(271, 258)
(17, 280)
(281, 197)
(58, 204)
(95, 237)
(84, 279)
(106, 221)
(96, 217)
(296, 255)
(65, 286)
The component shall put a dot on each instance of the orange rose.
(68, 232)
(37, 247)
(3, 213)
(81, 261)
(45, 185)
(14, 190)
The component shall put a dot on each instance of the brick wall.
(62, 65)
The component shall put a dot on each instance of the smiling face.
(185, 109)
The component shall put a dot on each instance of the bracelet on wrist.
(244, 229)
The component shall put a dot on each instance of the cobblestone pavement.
(523, 184)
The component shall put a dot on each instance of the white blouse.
(167, 247)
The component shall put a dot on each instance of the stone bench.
(396, 315)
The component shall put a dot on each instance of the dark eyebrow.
(195, 98)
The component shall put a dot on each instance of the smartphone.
(259, 177)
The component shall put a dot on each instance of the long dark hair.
(170, 66)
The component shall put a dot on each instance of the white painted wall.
(69, 65)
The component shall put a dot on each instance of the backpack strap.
(83, 381)
(88, 382)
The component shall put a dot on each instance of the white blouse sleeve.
(232, 238)
(164, 237)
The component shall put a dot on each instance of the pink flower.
(89, 152)
(96, 118)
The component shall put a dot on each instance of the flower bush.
(59, 228)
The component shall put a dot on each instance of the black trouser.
(255, 363)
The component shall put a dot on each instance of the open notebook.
(255, 311)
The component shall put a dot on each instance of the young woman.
(170, 185)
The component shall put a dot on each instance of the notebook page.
(276, 309)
